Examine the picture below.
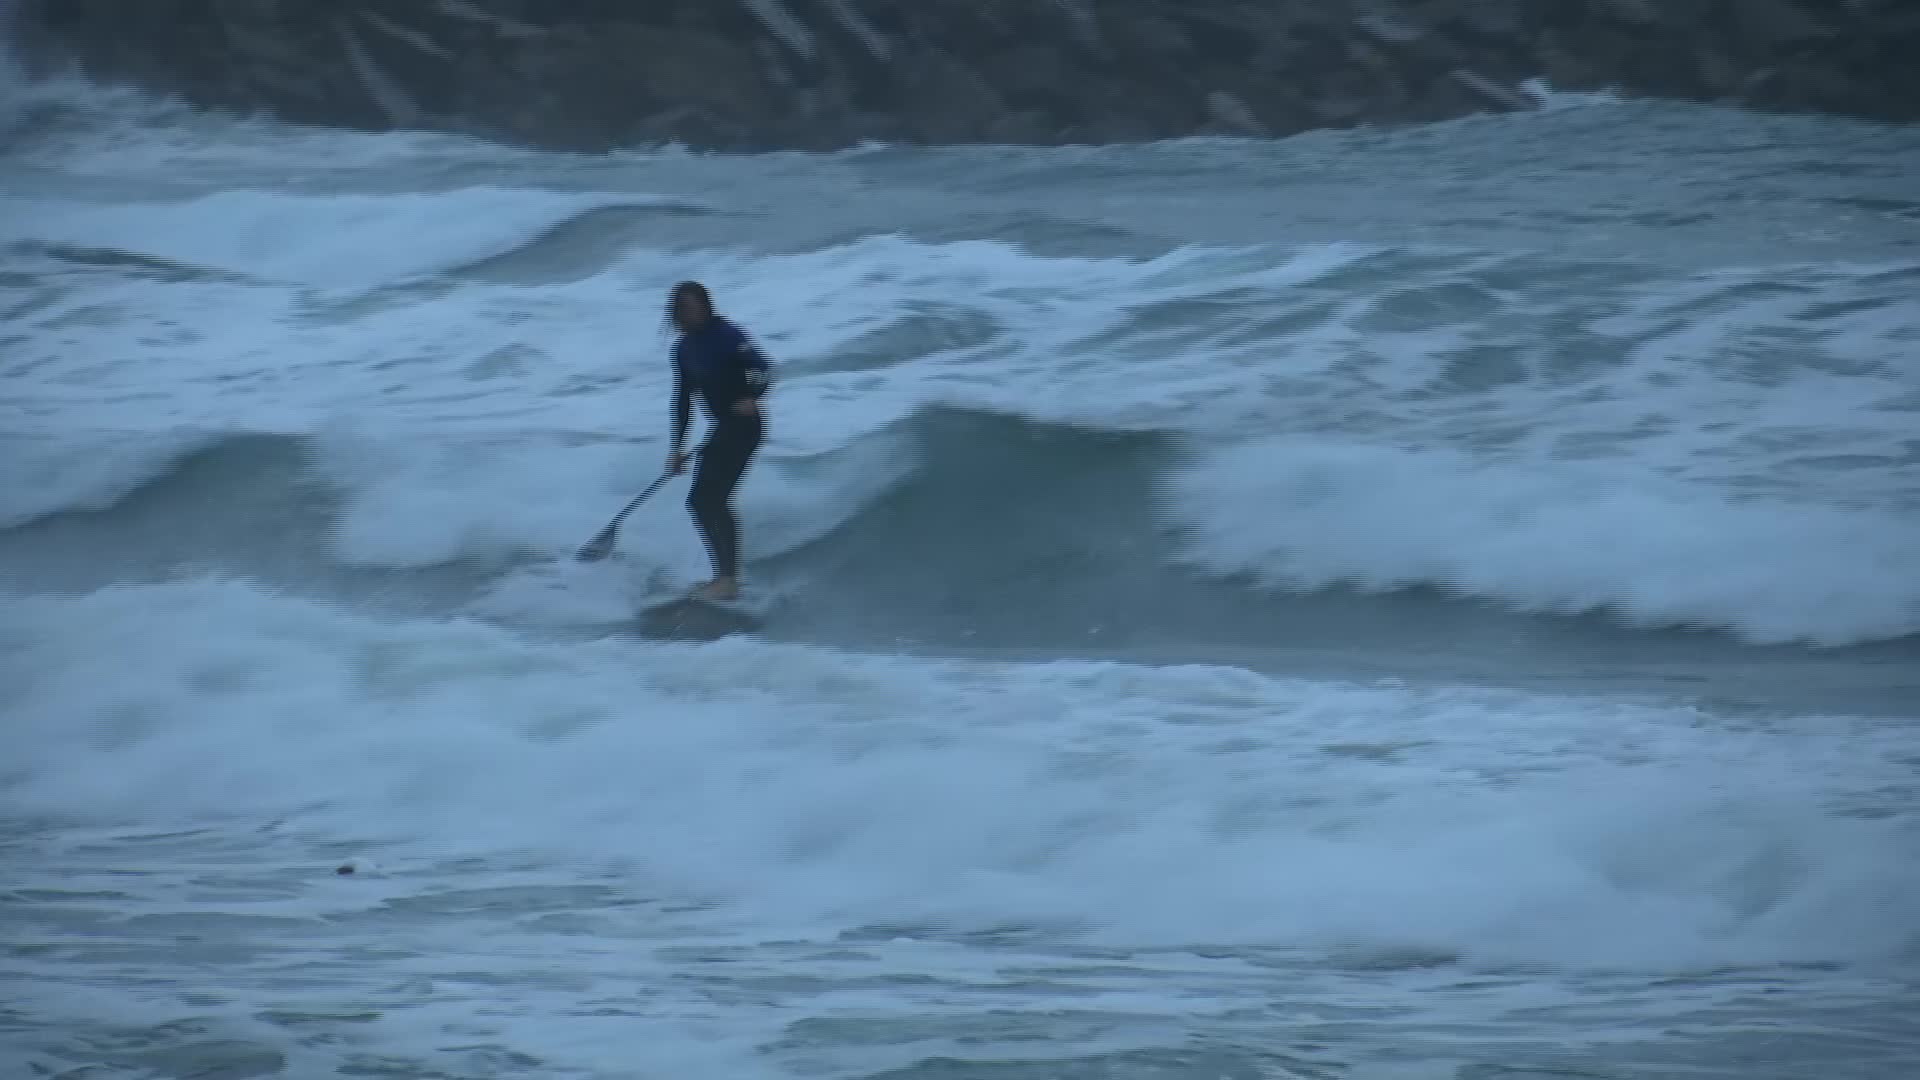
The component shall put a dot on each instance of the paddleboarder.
(716, 361)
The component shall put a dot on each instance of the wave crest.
(329, 241)
(1562, 538)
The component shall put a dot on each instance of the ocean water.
(1424, 603)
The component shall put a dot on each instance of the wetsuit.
(722, 366)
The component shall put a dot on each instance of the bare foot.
(722, 589)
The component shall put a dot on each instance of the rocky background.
(821, 74)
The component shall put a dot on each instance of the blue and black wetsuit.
(720, 364)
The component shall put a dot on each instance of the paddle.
(601, 546)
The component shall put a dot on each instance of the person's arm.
(755, 374)
(682, 408)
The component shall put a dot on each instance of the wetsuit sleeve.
(755, 372)
(682, 405)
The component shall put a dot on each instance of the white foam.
(764, 792)
(1549, 536)
(1543, 94)
(804, 792)
(109, 131)
(333, 241)
(46, 475)
(1726, 419)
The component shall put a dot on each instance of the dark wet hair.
(689, 288)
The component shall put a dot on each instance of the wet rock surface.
(823, 74)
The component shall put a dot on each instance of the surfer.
(714, 359)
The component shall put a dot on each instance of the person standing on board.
(715, 360)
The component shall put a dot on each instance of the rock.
(1766, 25)
(1645, 13)
(1233, 115)
(819, 74)
(1390, 28)
(498, 24)
(1497, 97)
(948, 101)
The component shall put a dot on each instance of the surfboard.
(689, 618)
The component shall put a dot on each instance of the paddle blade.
(600, 546)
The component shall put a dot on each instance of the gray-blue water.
(1422, 603)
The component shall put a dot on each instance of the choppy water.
(1423, 603)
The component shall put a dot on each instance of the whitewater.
(1438, 602)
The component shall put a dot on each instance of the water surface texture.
(1430, 603)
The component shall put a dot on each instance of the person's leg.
(722, 463)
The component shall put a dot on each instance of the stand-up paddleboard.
(688, 618)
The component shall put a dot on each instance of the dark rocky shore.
(820, 74)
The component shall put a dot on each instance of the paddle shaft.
(637, 500)
(602, 545)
